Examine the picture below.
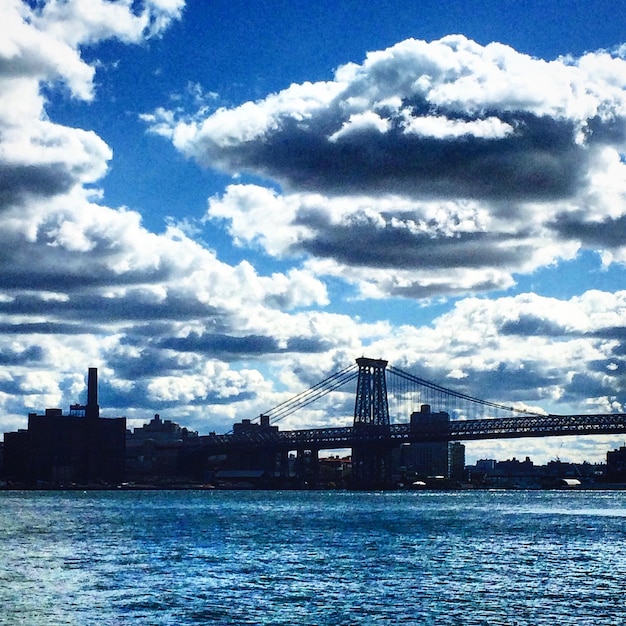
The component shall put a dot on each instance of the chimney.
(92, 409)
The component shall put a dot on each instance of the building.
(159, 451)
(516, 474)
(616, 465)
(161, 430)
(438, 457)
(272, 462)
(456, 461)
(59, 450)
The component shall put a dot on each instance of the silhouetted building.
(616, 465)
(159, 451)
(516, 474)
(59, 449)
(247, 426)
(264, 459)
(161, 430)
(456, 460)
(17, 455)
(431, 458)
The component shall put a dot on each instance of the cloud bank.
(424, 158)
(83, 283)
(429, 170)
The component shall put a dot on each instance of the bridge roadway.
(455, 430)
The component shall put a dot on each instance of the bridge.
(372, 435)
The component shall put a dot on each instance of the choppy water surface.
(318, 558)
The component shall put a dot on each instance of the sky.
(221, 203)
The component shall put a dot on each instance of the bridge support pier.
(371, 458)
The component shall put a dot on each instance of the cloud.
(393, 245)
(431, 169)
(88, 21)
(426, 157)
(541, 161)
(40, 45)
(41, 42)
(445, 119)
(224, 346)
(11, 358)
(525, 348)
(532, 324)
(86, 284)
(609, 233)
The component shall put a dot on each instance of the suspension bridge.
(435, 414)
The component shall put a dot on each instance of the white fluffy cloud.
(393, 245)
(84, 284)
(430, 169)
(539, 349)
(482, 91)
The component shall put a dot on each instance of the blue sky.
(221, 203)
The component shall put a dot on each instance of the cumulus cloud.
(394, 245)
(430, 169)
(448, 118)
(87, 21)
(527, 348)
(428, 157)
(40, 45)
(84, 284)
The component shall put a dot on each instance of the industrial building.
(80, 448)
(159, 452)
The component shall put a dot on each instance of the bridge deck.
(396, 434)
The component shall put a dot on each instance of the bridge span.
(372, 420)
(372, 436)
(396, 434)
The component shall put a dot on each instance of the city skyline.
(219, 205)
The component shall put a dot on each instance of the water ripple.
(313, 558)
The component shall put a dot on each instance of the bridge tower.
(371, 459)
(371, 406)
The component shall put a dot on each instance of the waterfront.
(340, 558)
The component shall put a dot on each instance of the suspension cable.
(348, 374)
(455, 394)
(306, 397)
(309, 396)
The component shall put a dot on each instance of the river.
(340, 558)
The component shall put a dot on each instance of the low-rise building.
(159, 451)
(58, 449)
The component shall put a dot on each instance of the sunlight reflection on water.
(464, 558)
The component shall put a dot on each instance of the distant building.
(158, 451)
(247, 426)
(438, 457)
(616, 465)
(58, 449)
(485, 465)
(161, 430)
(516, 474)
(271, 462)
(426, 459)
(456, 461)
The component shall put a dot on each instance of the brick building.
(79, 448)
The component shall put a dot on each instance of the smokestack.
(92, 409)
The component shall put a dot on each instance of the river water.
(317, 558)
